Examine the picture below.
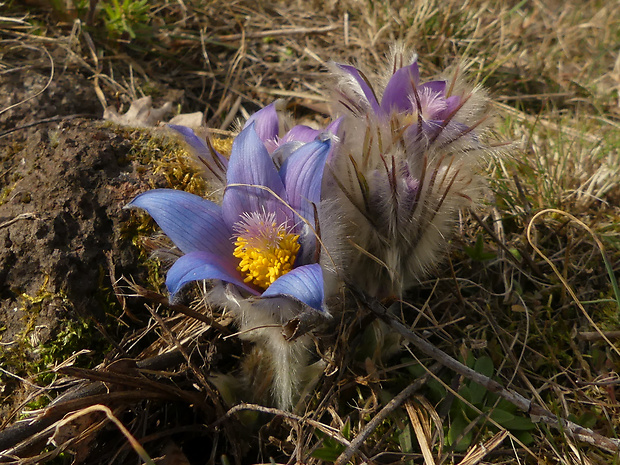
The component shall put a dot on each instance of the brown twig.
(213, 395)
(135, 382)
(596, 336)
(279, 32)
(328, 430)
(19, 438)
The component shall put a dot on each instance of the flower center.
(265, 249)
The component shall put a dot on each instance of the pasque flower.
(407, 162)
(261, 238)
(382, 193)
(258, 248)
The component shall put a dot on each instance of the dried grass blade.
(480, 451)
(422, 432)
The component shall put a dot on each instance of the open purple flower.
(261, 238)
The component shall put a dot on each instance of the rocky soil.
(63, 185)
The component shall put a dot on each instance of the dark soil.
(62, 189)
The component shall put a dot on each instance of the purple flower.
(271, 127)
(404, 94)
(279, 141)
(261, 238)
(424, 112)
(406, 163)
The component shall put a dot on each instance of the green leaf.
(587, 420)
(502, 417)
(330, 450)
(465, 392)
(518, 424)
(325, 454)
(416, 370)
(507, 406)
(477, 251)
(454, 432)
(405, 440)
(437, 390)
(477, 393)
(484, 366)
(346, 430)
(525, 437)
(515, 253)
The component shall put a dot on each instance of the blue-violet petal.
(364, 85)
(302, 173)
(191, 222)
(200, 146)
(399, 91)
(266, 123)
(304, 283)
(251, 164)
(197, 266)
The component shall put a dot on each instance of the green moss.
(27, 358)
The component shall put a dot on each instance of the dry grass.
(539, 312)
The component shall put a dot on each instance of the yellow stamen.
(264, 261)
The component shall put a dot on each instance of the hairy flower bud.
(408, 159)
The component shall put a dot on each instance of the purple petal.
(436, 87)
(250, 163)
(197, 266)
(365, 86)
(452, 103)
(283, 151)
(191, 222)
(304, 283)
(399, 92)
(436, 131)
(291, 141)
(300, 133)
(199, 145)
(266, 123)
(302, 173)
(334, 126)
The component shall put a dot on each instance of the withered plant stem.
(535, 411)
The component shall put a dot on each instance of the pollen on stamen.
(266, 249)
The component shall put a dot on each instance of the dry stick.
(536, 412)
(20, 436)
(201, 377)
(279, 32)
(383, 414)
(137, 447)
(49, 81)
(601, 247)
(596, 336)
(21, 216)
(52, 119)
